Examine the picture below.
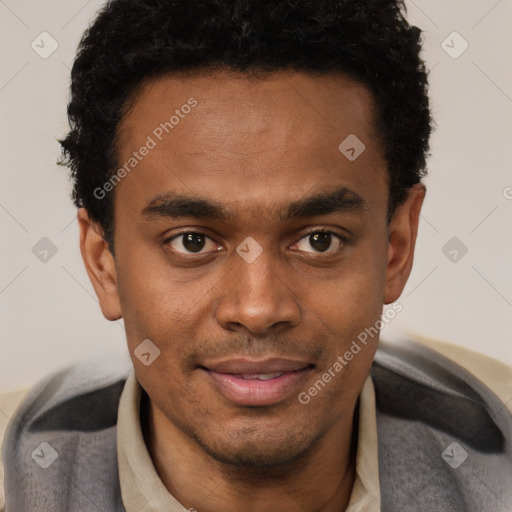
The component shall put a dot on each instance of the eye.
(191, 242)
(320, 241)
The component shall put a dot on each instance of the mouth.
(257, 383)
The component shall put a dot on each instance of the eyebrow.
(341, 200)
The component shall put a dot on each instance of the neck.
(321, 481)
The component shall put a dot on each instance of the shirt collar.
(143, 491)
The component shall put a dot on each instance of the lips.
(258, 376)
(256, 383)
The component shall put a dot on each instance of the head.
(249, 181)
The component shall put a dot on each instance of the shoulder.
(81, 397)
(429, 354)
(444, 427)
(9, 402)
(496, 375)
(68, 399)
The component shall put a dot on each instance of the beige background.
(49, 314)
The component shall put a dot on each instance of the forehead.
(278, 100)
(240, 138)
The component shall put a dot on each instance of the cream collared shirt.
(143, 491)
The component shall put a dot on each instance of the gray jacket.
(444, 439)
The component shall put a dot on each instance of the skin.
(253, 145)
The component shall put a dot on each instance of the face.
(252, 252)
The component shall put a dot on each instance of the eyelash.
(342, 240)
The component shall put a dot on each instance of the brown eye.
(190, 243)
(193, 242)
(319, 241)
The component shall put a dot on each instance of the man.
(248, 178)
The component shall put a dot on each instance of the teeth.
(268, 376)
(261, 376)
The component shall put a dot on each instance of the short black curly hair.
(131, 41)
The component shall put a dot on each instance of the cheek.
(148, 303)
(350, 307)
(165, 310)
(349, 313)
(354, 296)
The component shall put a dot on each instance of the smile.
(247, 383)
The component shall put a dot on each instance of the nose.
(257, 297)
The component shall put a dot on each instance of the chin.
(258, 450)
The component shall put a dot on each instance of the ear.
(100, 265)
(402, 230)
